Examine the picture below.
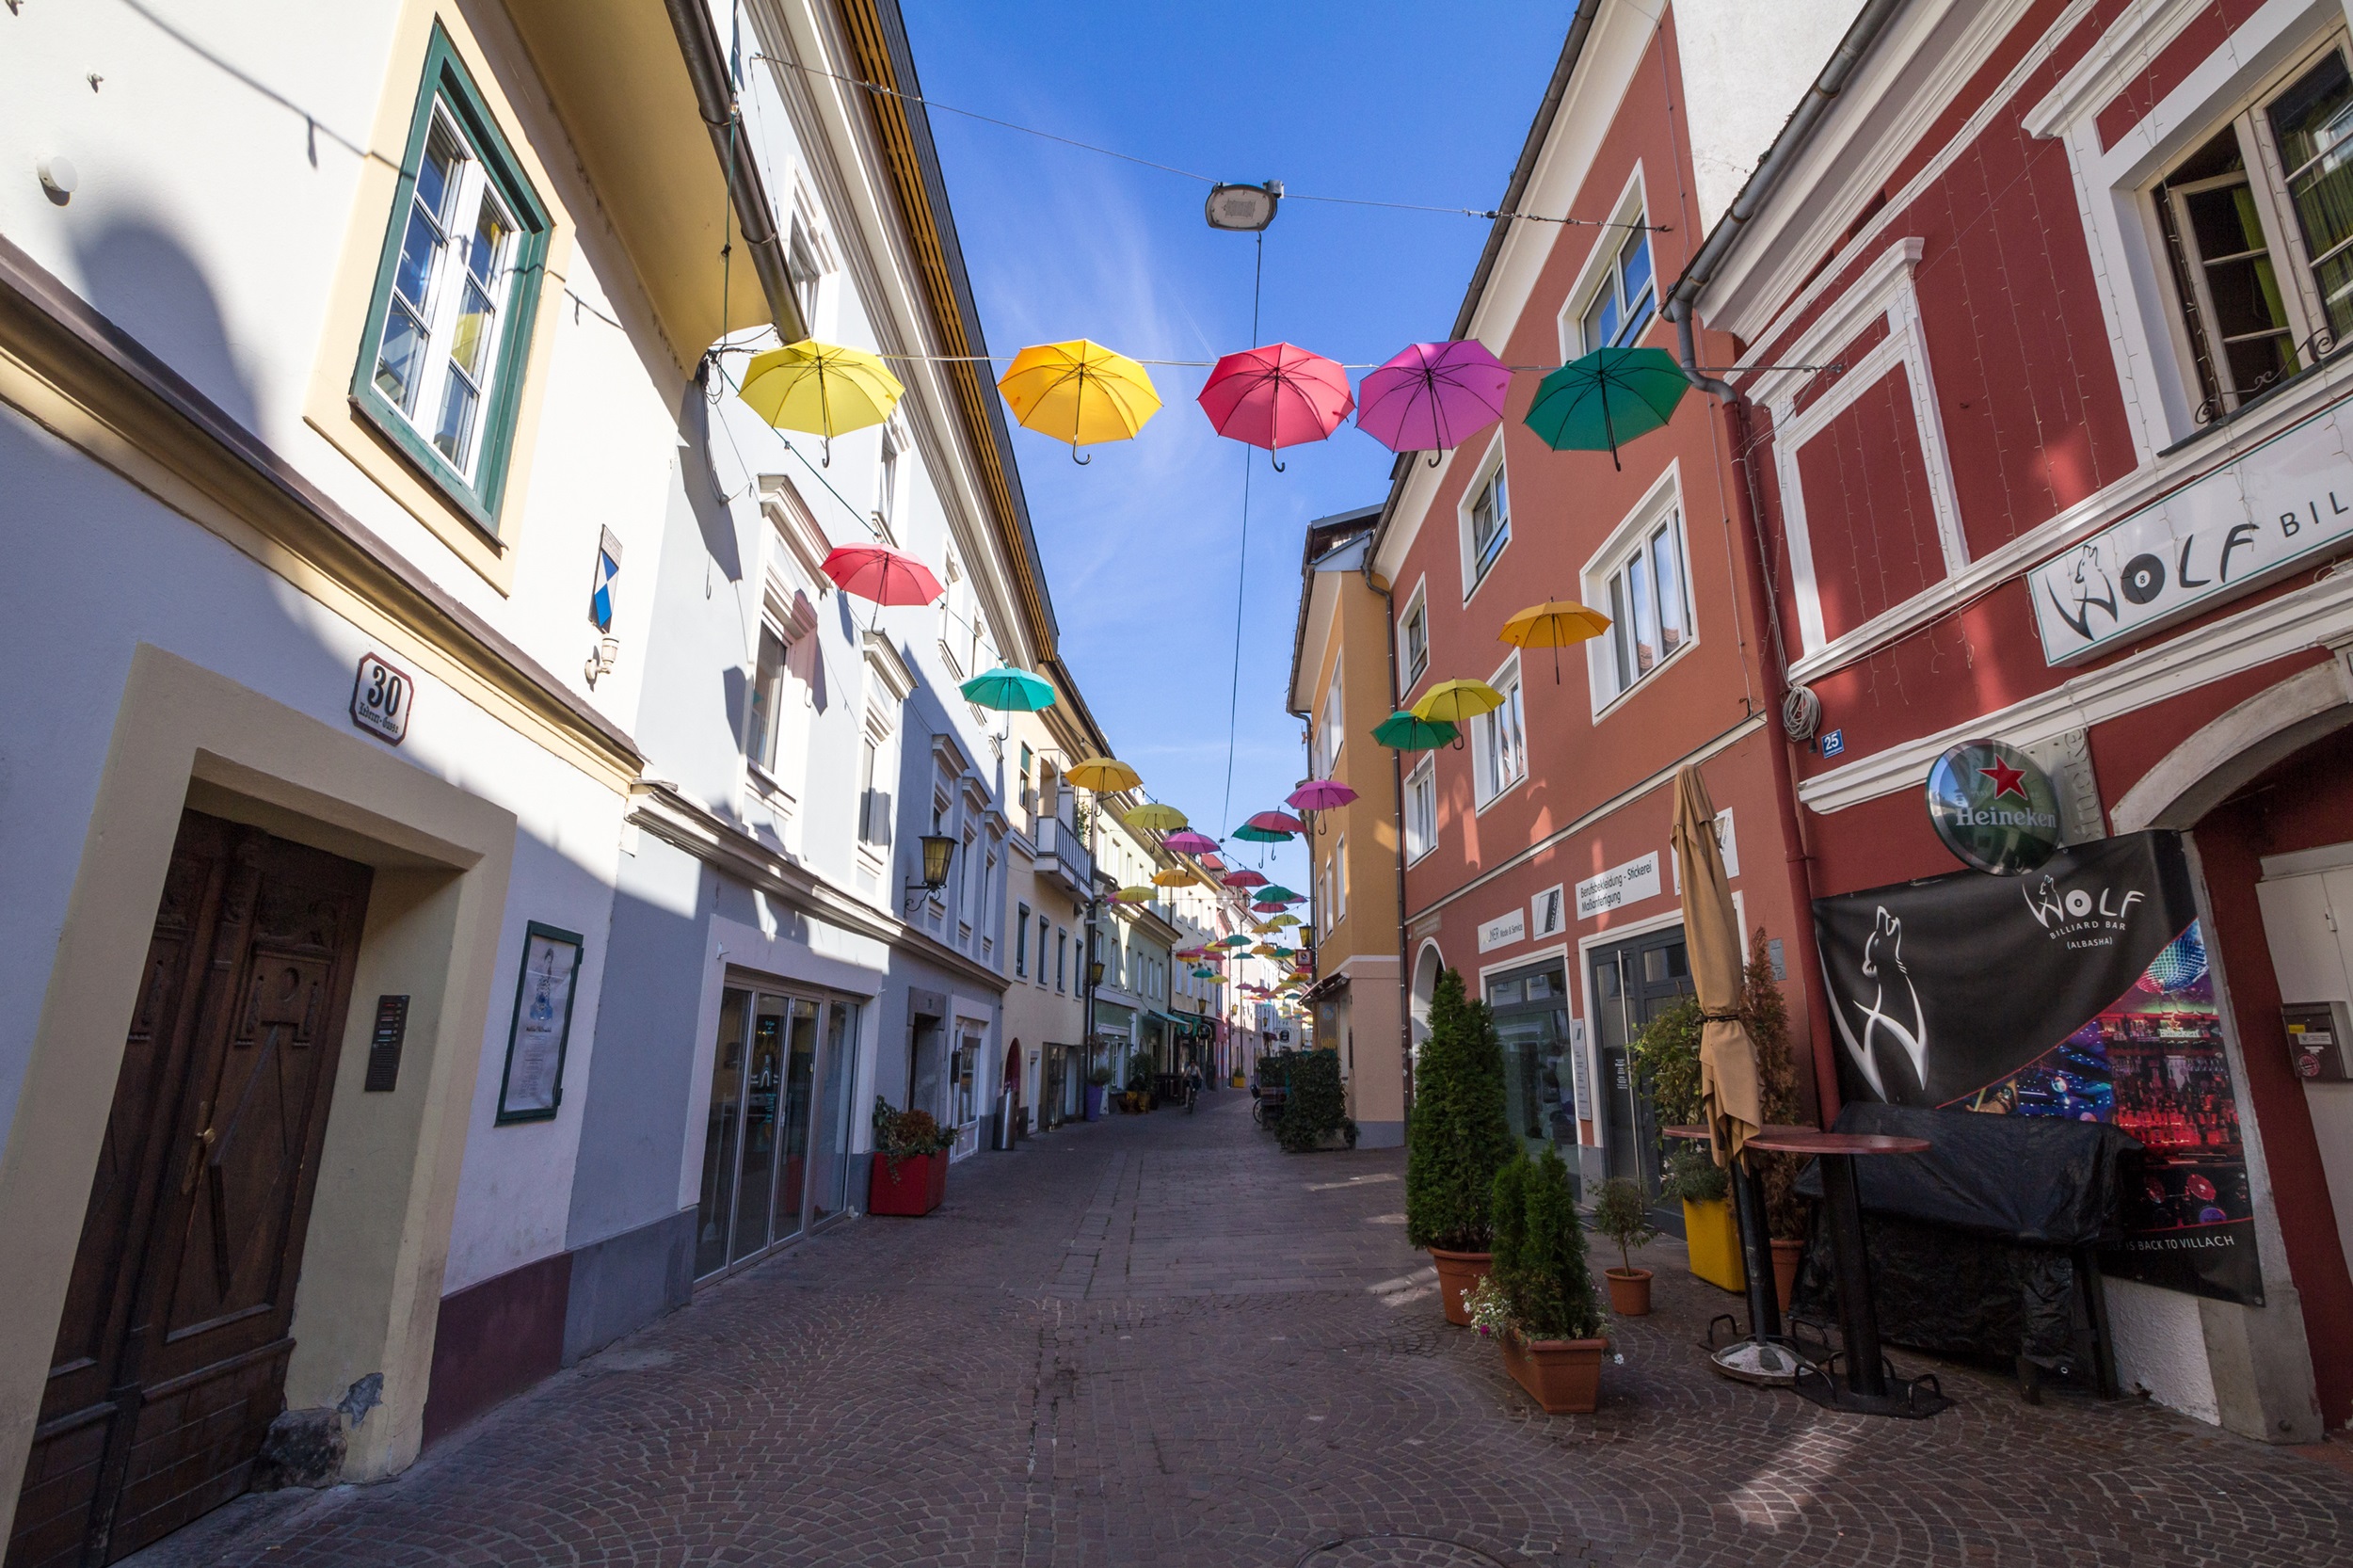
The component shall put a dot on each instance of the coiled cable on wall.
(1800, 713)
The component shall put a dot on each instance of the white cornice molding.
(780, 500)
(2123, 50)
(885, 662)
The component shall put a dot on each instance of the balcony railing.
(1061, 854)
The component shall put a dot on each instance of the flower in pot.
(1538, 1303)
(1705, 1189)
(910, 1170)
(1622, 1212)
(1098, 1085)
(1457, 1140)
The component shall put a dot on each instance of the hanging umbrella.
(1204, 974)
(1079, 392)
(1175, 876)
(1266, 906)
(1730, 1091)
(1260, 835)
(1554, 624)
(881, 574)
(1607, 396)
(1103, 775)
(1153, 817)
(1404, 730)
(1454, 702)
(1275, 397)
(1276, 822)
(1189, 842)
(1263, 950)
(1244, 878)
(820, 388)
(1274, 892)
(1136, 895)
(1286, 917)
(1006, 689)
(1320, 794)
(1237, 940)
(1431, 396)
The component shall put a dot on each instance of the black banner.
(2080, 989)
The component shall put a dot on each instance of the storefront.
(1541, 1089)
(776, 1153)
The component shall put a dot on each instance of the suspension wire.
(1241, 561)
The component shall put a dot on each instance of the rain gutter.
(715, 97)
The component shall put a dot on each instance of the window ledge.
(1485, 573)
(2336, 357)
(1480, 810)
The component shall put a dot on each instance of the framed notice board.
(532, 1084)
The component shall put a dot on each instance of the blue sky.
(1142, 546)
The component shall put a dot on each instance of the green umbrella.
(1607, 396)
(1260, 835)
(1403, 731)
(1204, 973)
(1007, 690)
(1236, 940)
(1274, 893)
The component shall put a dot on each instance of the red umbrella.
(1245, 879)
(1276, 396)
(886, 576)
(1276, 822)
(1268, 907)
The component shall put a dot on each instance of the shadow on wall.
(143, 280)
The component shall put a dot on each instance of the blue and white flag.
(600, 593)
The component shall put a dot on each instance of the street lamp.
(1244, 209)
(938, 850)
(1094, 972)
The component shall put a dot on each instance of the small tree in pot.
(910, 1170)
(1316, 1114)
(1622, 1212)
(1457, 1140)
(1539, 1302)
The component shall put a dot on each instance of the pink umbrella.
(1244, 879)
(886, 576)
(1433, 396)
(1268, 908)
(1186, 841)
(1275, 397)
(1320, 794)
(1276, 822)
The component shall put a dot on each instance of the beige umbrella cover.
(1711, 933)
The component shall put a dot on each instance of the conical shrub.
(1457, 1137)
(1540, 1264)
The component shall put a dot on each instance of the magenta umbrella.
(1433, 396)
(1186, 841)
(1275, 397)
(1320, 794)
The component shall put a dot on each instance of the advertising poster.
(2080, 989)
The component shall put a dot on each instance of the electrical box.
(2320, 1040)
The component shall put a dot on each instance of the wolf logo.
(1885, 949)
(2085, 580)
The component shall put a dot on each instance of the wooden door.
(172, 1351)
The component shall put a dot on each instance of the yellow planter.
(1715, 1244)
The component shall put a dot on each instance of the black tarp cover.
(2042, 1181)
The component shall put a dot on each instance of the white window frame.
(1423, 776)
(1491, 464)
(892, 451)
(1488, 787)
(1663, 499)
(819, 303)
(1339, 878)
(1600, 269)
(1021, 941)
(762, 757)
(1331, 729)
(1408, 673)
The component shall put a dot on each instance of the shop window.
(449, 330)
(1499, 738)
(1648, 592)
(1421, 811)
(767, 701)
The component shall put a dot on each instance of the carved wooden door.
(172, 1351)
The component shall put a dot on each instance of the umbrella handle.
(1276, 461)
(1436, 458)
(1076, 458)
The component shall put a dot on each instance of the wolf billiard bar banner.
(2080, 989)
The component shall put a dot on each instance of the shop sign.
(1618, 886)
(2081, 991)
(1503, 930)
(1993, 808)
(2222, 535)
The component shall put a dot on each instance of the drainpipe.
(715, 97)
(1794, 136)
(1387, 591)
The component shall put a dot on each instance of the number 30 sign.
(380, 697)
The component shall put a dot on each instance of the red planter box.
(920, 1186)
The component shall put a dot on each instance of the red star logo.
(2007, 779)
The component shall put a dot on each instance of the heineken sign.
(1994, 809)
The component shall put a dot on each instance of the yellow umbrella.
(1153, 817)
(1079, 392)
(1175, 876)
(1136, 895)
(820, 388)
(1457, 701)
(1280, 921)
(1103, 775)
(1554, 624)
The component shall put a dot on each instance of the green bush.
(1457, 1138)
(1692, 1174)
(1540, 1268)
(1317, 1105)
(1666, 1058)
(1622, 1212)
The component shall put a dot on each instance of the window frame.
(445, 83)
(1492, 467)
(1600, 269)
(1416, 610)
(764, 765)
(1486, 787)
(1021, 941)
(1422, 776)
(1663, 506)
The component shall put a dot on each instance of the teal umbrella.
(1007, 690)
(1607, 396)
(1277, 893)
(1403, 731)
(1260, 835)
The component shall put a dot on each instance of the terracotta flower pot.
(1459, 1273)
(1561, 1375)
(1786, 1255)
(1629, 1291)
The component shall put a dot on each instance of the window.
(1500, 743)
(1622, 307)
(1061, 958)
(1412, 643)
(1650, 606)
(767, 701)
(873, 810)
(1339, 879)
(1490, 521)
(1022, 940)
(1042, 925)
(450, 320)
(1328, 740)
(1421, 811)
(887, 484)
(800, 265)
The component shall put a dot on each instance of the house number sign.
(381, 695)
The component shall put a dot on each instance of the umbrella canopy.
(1253, 835)
(1204, 973)
(1286, 917)
(1554, 624)
(1175, 876)
(882, 574)
(1277, 893)
(1264, 949)
(1433, 396)
(1079, 392)
(1266, 906)
(820, 388)
(1137, 895)
(1007, 690)
(1276, 822)
(1275, 397)
(1606, 397)
(1320, 794)
(1244, 878)
(1189, 842)
(1237, 940)
(1453, 701)
(1730, 1090)
(1188, 953)
(1404, 731)
(1153, 817)
(1103, 775)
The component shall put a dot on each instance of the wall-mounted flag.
(600, 592)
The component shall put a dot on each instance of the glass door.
(716, 1216)
(763, 1100)
(832, 1195)
(756, 1186)
(1531, 1013)
(800, 1087)
(1633, 982)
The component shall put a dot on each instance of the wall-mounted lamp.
(602, 657)
(938, 849)
(1094, 972)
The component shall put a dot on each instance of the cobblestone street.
(1160, 1341)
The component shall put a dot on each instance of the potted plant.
(1316, 1115)
(1787, 1214)
(1538, 1303)
(1705, 1189)
(1622, 1212)
(1457, 1139)
(1099, 1083)
(910, 1169)
(1139, 1089)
